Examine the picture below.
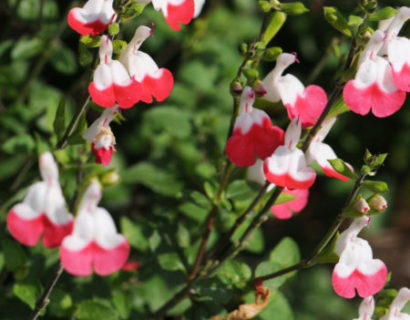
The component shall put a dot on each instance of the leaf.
(376, 186)
(22, 143)
(91, 42)
(170, 261)
(154, 240)
(114, 29)
(337, 108)
(63, 60)
(14, 254)
(85, 57)
(341, 167)
(354, 21)
(193, 211)
(170, 119)
(59, 121)
(275, 22)
(96, 310)
(256, 242)
(134, 233)
(27, 292)
(271, 54)
(337, 21)
(279, 306)
(119, 46)
(268, 267)
(286, 253)
(77, 136)
(239, 190)
(200, 199)
(383, 14)
(284, 197)
(294, 8)
(328, 254)
(234, 273)
(160, 181)
(122, 303)
(183, 236)
(60, 303)
(26, 48)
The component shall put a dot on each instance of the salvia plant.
(177, 159)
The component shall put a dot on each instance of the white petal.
(48, 168)
(106, 49)
(139, 64)
(105, 231)
(247, 100)
(292, 134)
(91, 197)
(102, 121)
(120, 75)
(83, 232)
(255, 173)
(102, 77)
(289, 88)
(198, 7)
(399, 52)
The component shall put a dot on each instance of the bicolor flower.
(366, 309)
(356, 269)
(94, 243)
(175, 11)
(93, 18)
(373, 87)
(398, 303)
(112, 84)
(100, 136)
(199, 4)
(287, 166)
(322, 152)
(43, 211)
(253, 134)
(304, 103)
(398, 50)
(155, 82)
(286, 210)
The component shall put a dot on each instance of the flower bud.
(236, 87)
(110, 178)
(259, 88)
(378, 202)
(361, 206)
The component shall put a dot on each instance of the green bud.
(243, 49)
(265, 6)
(110, 178)
(294, 8)
(114, 29)
(251, 73)
(271, 54)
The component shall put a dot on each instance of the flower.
(356, 268)
(199, 4)
(378, 202)
(154, 82)
(43, 210)
(283, 210)
(398, 50)
(322, 152)
(373, 87)
(93, 18)
(287, 166)
(112, 84)
(100, 136)
(395, 307)
(253, 134)
(304, 103)
(175, 11)
(94, 242)
(366, 309)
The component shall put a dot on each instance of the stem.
(210, 222)
(73, 125)
(43, 301)
(311, 259)
(19, 179)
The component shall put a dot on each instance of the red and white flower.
(398, 50)
(112, 84)
(356, 269)
(175, 11)
(366, 309)
(155, 82)
(100, 136)
(93, 18)
(394, 313)
(287, 166)
(94, 243)
(253, 134)
(304, 103)
(322, 152)
(43, 211)
(373, 87)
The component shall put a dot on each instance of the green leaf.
(134, 232)
(234, 273)
(354, 21)
(96, 310)
(183, 236)
(194, 211)
(154, 240)
(28, 291)
(341, 167)
(131, 11)
(328, 254)
(152, 177)
(294, 8)
(63, 60)
(59, 121)
(200, 199)
(22, 143)
(239, 190)
(338, 108)
(256, 242)
(171, 119)
(383, 14)
(267, 267)
(14, 254)
(170, 261)
(77, 136)
(91, 42)
(122, 303)
(275, 22)
(26, 48)
(285, 197)
(376, 186)
(60, 303)
(286, 253)
(337, 21)
(278, 306)
(265, 6)
(85, 57)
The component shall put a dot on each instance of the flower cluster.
(383, 75)
(90, 242)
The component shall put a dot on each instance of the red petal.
(160, 87)
(286, 180)
(93, 28)
(104, 98)
(182, 13)
(402, 78)
(127, 96)
(54, 233)
(240, 150)
(109, 261)
(25, 231)
(266, 139)
(103, 155)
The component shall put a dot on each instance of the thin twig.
(43, 301)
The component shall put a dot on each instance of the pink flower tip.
(296, 56)
(131, 266)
